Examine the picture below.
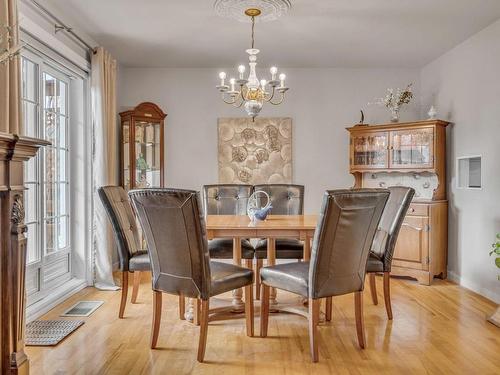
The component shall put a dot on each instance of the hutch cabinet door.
(412, 246)
(412, 148)
(369, 150)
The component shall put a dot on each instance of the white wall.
(464, 83)
(321, 103)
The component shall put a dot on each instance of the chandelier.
(250, 92)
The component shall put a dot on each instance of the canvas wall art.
(255, 152)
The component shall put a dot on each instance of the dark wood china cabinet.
(142, 147)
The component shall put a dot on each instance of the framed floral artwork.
(257, 152)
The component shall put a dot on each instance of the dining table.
(238, 227)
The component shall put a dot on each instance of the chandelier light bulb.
(282, 79)
(273, 71)
(263, 83)
(232, 81)
(222, 76)
(241, 70)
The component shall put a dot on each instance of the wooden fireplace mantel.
(14, 151)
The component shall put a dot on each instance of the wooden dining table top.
(273, 222)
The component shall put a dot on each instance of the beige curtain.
(10, 79)
(105, 162)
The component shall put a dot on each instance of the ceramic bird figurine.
(262, 213)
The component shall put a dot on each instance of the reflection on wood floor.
(439, 330)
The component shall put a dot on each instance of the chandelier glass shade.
(249, 92)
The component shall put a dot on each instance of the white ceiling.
(315, 33)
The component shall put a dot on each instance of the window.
(46, 106)
(469, 172)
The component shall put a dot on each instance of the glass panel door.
(412, 148)
(147, 154)
(46, 115)
(369, 150)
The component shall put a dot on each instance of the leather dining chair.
(228, 199)
(384, 242)
(341, 246)
(132, 258)
(286, 199)
(174, 227)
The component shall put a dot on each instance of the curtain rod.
(61, 26)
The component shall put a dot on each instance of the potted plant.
(495, 318)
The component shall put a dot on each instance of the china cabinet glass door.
(370, 150)
(147, 154)
(412, 148)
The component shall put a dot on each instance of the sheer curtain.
(10, 79)
(105, 162)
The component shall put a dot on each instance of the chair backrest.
(342, 240)
(116, 203)
(175, 232)
(286, 199)
(392, 218)
(226, 199)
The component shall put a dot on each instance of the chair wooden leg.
(387, 294)
(249, 263)
(203, 329)
(249, 316)
(329, 308)
(314, 307)
(360, 324)
(197, 312)
(123, 301)
(135, 286)
(264, 311)
(258, 266)
(155, 327)
(182, 307)
(373, 288)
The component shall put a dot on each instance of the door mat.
(49, 332)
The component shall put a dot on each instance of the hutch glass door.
(413, 148)
(370, 150)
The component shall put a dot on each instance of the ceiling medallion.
(249, 92)
(270, 10)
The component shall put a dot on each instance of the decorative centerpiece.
(495, 318)
(394, 100)
(255, 210)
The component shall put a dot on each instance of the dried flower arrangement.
(394, 99)
(7, 53)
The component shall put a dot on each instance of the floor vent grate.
(82, 308)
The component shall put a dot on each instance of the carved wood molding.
(14, 151)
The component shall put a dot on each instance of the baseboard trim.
(56, 297)
(495, 297)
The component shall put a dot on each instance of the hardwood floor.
(436, 330)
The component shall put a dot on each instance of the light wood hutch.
(142, 147)
(409, 154)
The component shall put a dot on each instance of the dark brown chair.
(174, 227)
(286, 199)
(342, 241)
(227, 199)
(132, 258)
(384, 242)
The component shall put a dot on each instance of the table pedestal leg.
(189, 314)
(238, 305)
(271, 261)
